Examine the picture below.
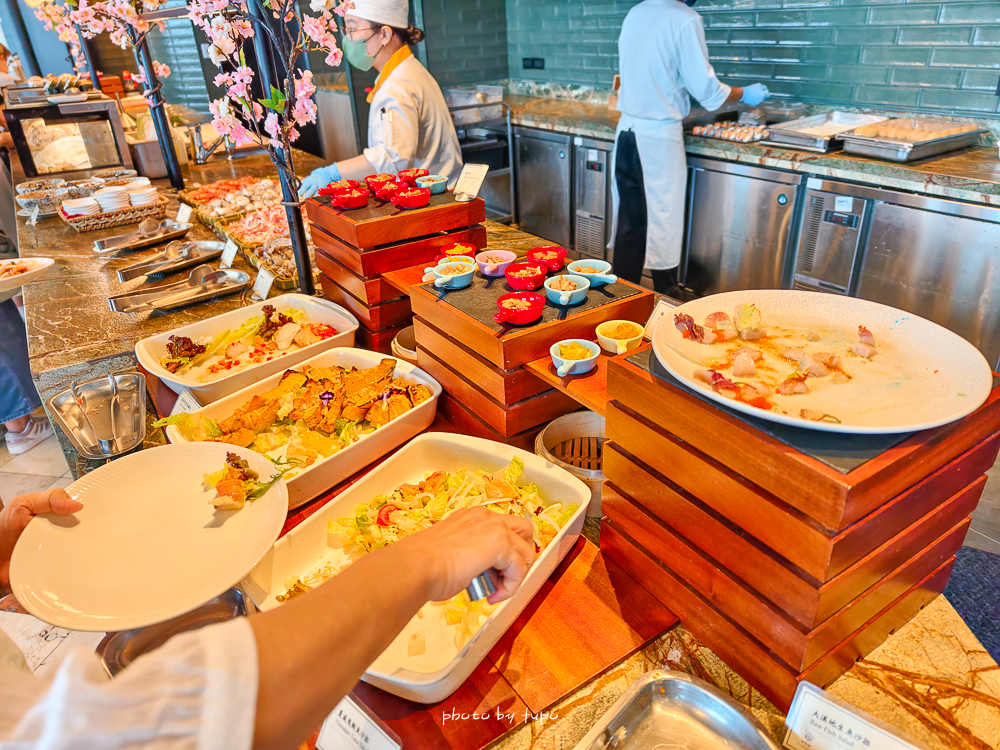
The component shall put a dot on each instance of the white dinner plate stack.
(142, 196)
(81, 207)
(138, 182)
(112, 198)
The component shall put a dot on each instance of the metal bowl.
(87, 430)
(118, 650)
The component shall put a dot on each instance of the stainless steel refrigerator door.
(592, 197)
(543, 185)
(939, 266)
(738, 232)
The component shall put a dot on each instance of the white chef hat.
(395, 13)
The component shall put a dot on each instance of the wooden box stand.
(790, 553)
(354, 249)
(481, 363)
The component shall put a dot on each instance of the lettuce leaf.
(513, 472)
(194, 427)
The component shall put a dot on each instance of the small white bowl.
(619, 346)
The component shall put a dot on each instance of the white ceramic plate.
(148, 545)
(437, 673)
(38, 267)
(923, 375)
(148, 351)
(330, 471)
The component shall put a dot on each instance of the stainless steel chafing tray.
(790, 133)
(883, 148)
(170, 230)
(664, 708)
(201, 251)
(86, 429)
(203, 283)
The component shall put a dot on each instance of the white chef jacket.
(197, 692)
(409, 125)
(663, 62)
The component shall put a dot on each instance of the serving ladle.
(174, 250)
(147, 227)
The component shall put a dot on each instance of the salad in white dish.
(259, 339)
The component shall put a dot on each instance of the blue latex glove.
(318, 178)
(754, 94)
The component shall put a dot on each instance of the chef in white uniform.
(409, 125)
(663, 62)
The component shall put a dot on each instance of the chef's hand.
(470, 541)
(318, 178)
(16, 514)
(754, 94)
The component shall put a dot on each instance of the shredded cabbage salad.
(413, 507)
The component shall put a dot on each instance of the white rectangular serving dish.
(327, 472)
(432, 676)
(148, 351)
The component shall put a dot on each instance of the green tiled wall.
(466, 40)
(938, 56)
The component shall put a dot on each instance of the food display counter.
(750, 555)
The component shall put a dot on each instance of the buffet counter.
(972, 174)
(931, 679)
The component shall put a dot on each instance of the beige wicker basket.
(121, 217)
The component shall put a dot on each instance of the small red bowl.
(333, 187)
(520, 317)
(350, 197)
(385, 190)
(409, 176)
(412, 197)
(377, 179)
(457, 248)
(554, 263)
(525, 283)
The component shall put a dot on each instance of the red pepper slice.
(383, 514)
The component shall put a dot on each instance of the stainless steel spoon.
(146, 228)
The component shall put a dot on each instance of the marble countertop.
(972, 174)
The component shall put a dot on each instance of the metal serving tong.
(202, 283)
(150, 232)
(175, 256)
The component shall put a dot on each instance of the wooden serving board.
(801, 597)
(505, 419)
(466, 315)
(795, 646)
(506, 386)
(590, 389)
(834, 479)
(378, 317)
(375, 260)
(741, 651)
(404, 278)
(381, 222)
(469, 424)
(371, 290)
(788, 532)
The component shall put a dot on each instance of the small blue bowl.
(566, 367)
(602, 277)
(574, 297)
(435, 182)
(453, 281)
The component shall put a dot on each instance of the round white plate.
(148, 545)
(41, 214)
(38, 267)
(939, 376)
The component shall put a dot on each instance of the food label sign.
(262, 286)
(349, 728)
(183, 213)
(228, 255)
(471, 180)
(816, 721)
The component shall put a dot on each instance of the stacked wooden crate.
(355, 247)
(790, 553)
(488, 393)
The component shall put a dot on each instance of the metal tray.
(881, 148)
(185, 292)
(787, 133)
(673, 709)
(172, 231)
(118, 650)
(130, 426)
(204, 250)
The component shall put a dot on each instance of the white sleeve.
(397, 131)
(695, 69)
(198, 691)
